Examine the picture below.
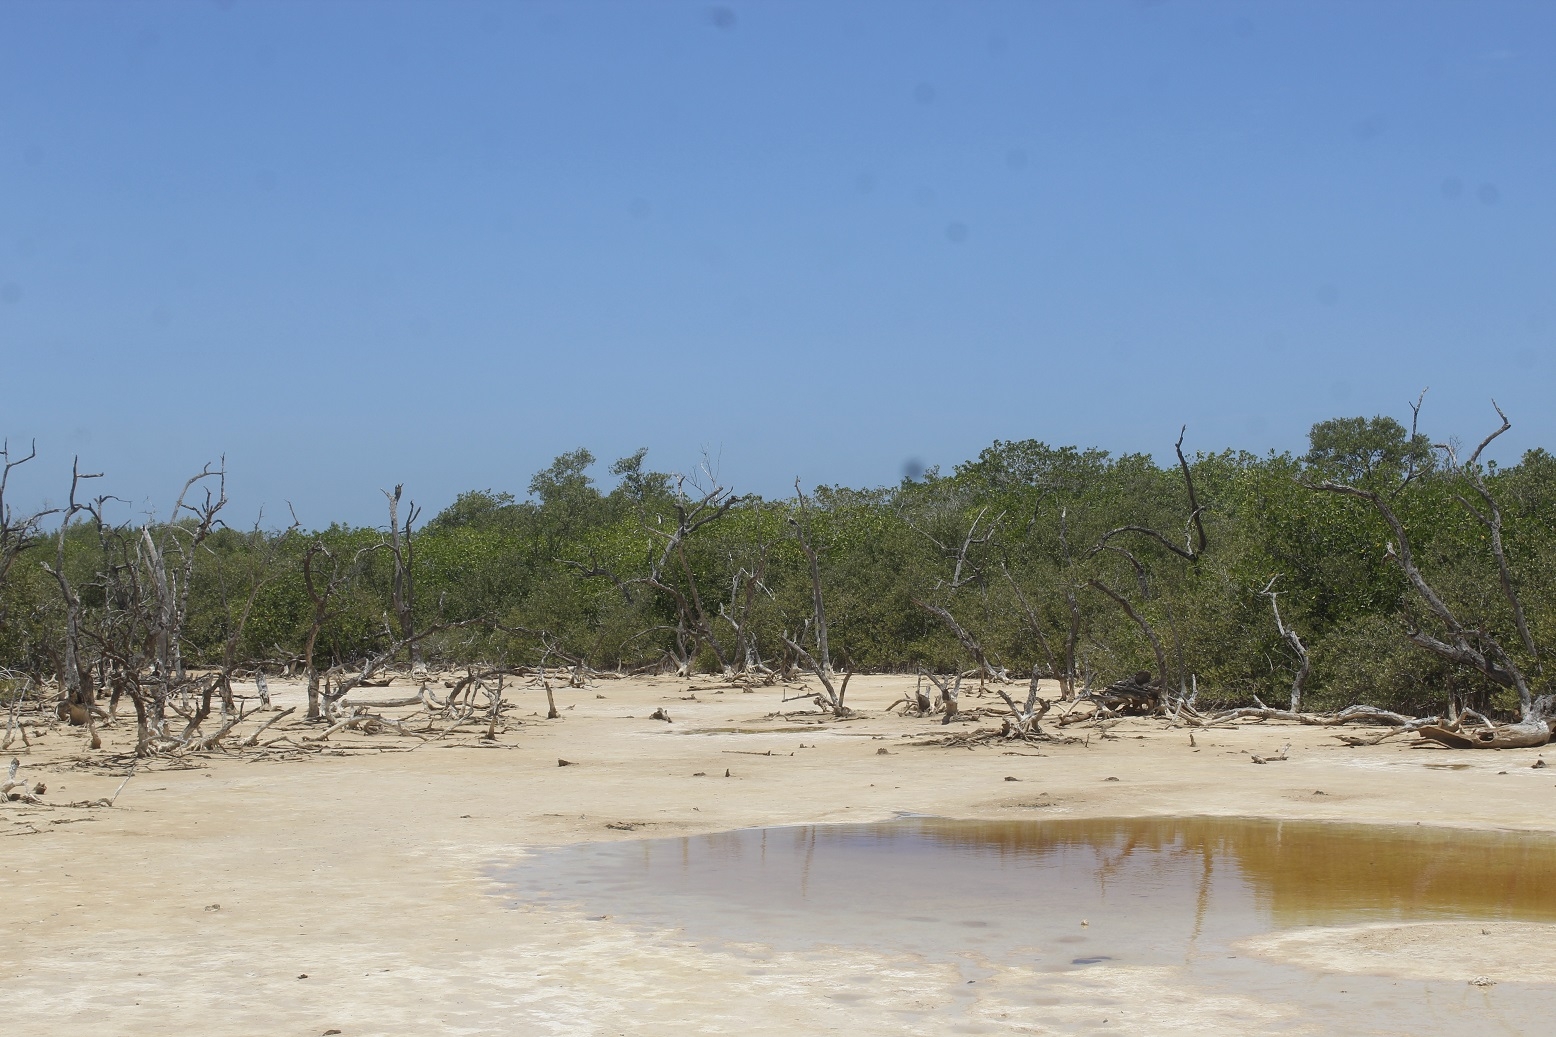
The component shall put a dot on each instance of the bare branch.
(1494, 663)
(1290, 637)
(1139, 621)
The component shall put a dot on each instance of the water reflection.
(1067, 891)
(1302, 873)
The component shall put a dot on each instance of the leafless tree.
(18, 533)
(403, 589)
(746, 587)
(819, 663)
(1476, 649)
(261, 570)
(170, 586)
(966, 569)
(1491, 518)
(1290, 637)
(987, 671)
(1060, 673)
(1025, 721)
(817, 625)
(1194, 539)
(75, 670)
(323, 587)
(1139, 621)
(950, 688)
(1195, 543)
(694, 510)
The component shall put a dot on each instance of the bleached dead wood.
(950, 695)
(818, 622)
(253, 739)
(1290, 637)
(403, 587)
(1025, 720)
(1527, 735)
(1348, 715)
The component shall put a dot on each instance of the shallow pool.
(1063, 895)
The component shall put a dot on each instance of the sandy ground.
(349, 891)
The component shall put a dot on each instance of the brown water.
(1056, 896)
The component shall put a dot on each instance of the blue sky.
(350, 245)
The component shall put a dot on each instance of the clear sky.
(350, 245)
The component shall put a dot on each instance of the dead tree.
(148, 605)
(349, 679)
(965, 571)
(918, 702)
(987, 671)
(950, 689)
(1139, 621)
(123, 632)
(1025, 721)
(262, 571)
(1195, 543)
(1476, 649)
(832, 695)
(169, 587)
(962, 554)
(1194, 540)
(818, 621)
(403, 589)
(204, 515)
(692, 620)
(745, 585)
(1072, 634)
(75, 671)
(1033, 624)
(693, 624)
(322, 588)
(1491, 518)
(545, 682)
(745, 588)
(1290, 637)
(18, 533)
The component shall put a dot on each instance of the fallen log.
(1348, 715)
(1527, 735)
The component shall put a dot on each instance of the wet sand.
(204, 896)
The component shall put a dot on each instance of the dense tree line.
(1082, 565)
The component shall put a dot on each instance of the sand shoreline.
(206, 892)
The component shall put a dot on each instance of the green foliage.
(573, 570)
(1366, 451)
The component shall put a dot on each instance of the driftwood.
(1527, 735)
(1025, 721)
(253, 739)
(1348, 715)
(1279, 757)
(1137, 694)
(10, 784)
(918, 702)
(950, 694)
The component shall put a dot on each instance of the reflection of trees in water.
(1301, 871)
